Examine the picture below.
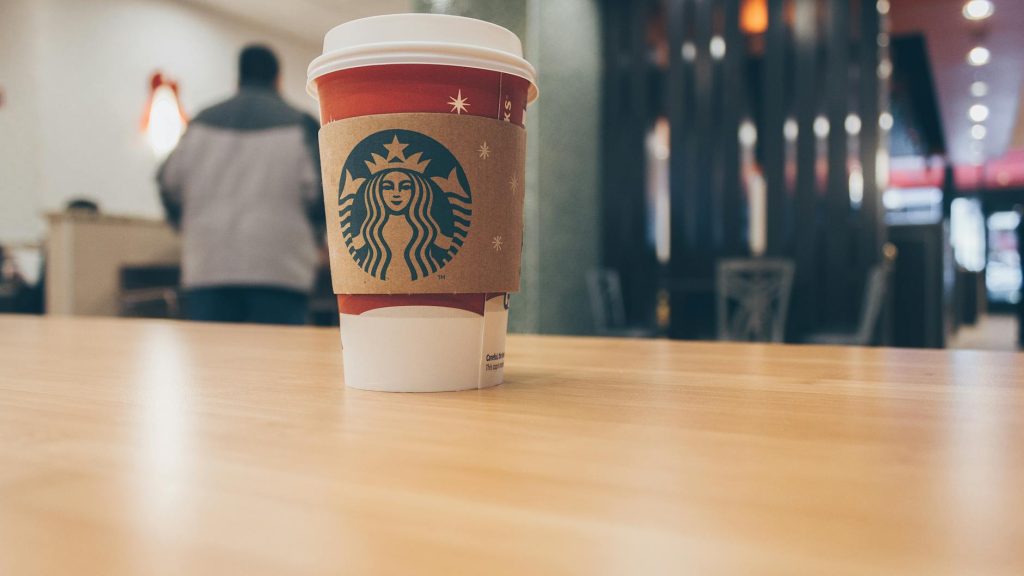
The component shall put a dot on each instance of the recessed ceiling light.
(717, 47)
(978, 112)
(856, 188)
(688, 51)
(748, 134)
(885, 121)
(821, 127)
(882, 6)
(790, 129)
(852, 124)
(978, 9)
(979, 56)
(978, 132)
(979, 89)
(884, 68)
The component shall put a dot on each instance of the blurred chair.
(323, 303)
(149, 292)
(8, 285)
(9, 291)
(607, 306)
(753, 299)
(875, 291)
(16, 294)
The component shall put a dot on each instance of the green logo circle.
(404, 205)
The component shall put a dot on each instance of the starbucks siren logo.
(403, 213)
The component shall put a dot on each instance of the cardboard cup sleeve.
(422, 204)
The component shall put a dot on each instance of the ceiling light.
(884, 68)
(717, 47)
(885, 121)
(882, 6)
(689, 51)
(790, 129)
(979, 89)
(978, 9)
(748, 134)
(978, 112)
(979, 56)
(856, 181)
(754, 16)
(852, 124)
(978, 131)
(821, 127)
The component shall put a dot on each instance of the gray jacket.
(243, 186)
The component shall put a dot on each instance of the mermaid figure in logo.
(399, 201)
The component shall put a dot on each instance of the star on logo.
(496, 243)
(485, 151)
(458, 103)
(395, 149)
(513, 183)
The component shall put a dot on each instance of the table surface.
(152, 447)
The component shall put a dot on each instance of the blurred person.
(243, 188)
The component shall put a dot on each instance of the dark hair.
(257, 66)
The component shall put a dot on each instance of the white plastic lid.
(421, 39)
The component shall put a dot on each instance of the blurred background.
(833, 171)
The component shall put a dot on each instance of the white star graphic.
(496, 243)
(485, 151)
(458, 103)
(513, 183)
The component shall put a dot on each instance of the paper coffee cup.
(423, 154)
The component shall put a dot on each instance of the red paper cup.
(422, 63)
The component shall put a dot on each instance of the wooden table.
(148, 447)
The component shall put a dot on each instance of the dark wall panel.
(816, 57)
